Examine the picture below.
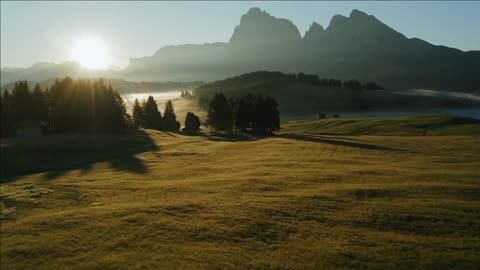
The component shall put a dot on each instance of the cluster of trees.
(147, 115)
(280, 77)
(333, 83)
(186, 94)
(192, 122)
(324, 115)
(356, 85)
(257, 114)
(67, 106)
(79, 106)
(316, 80)
(352, 84)
(372, 86)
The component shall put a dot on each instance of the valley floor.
(219, 201)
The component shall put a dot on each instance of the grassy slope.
(304, 201)
(410, 125)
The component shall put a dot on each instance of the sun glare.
(91, 53)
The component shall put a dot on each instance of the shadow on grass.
(130, 164)
(224, 136)
(58, 154)
(239, 137)
(329, 140)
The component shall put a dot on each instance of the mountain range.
(355, 47)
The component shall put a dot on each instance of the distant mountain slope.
(43, 71)
(359, 46)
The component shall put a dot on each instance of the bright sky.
(47, 31)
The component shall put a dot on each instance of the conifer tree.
(244, 113)
(220, 116)
(192, 122)
(6, 117)
(169, 117)
(39, 104)
(21, 103)
(153, 117)
(138, 115)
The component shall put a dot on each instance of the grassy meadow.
(302, 199)
(403, 126)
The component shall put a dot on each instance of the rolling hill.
(213, 200)
(398, 126)
(299, 97)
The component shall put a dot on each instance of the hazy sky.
(45, 31)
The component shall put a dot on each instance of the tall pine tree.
(192, 122)
(220, 116)
(138, 115)
(39, 104)
(244, 113)
(169, 118)
(153, 117)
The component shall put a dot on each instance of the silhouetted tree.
(79, 106)
(169, 117)
(39, 104)
(138, 115)
(153, 117)
(118, 114)
(192, 122)
(244, 113)
(220, 113)
(372, 86)
(266, 116)
(353, 84)
(186, 94)
(6, 117)
(21, 103)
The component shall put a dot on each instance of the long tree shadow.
(130, 164)
(56, 155)
(224, 136)
(329, 140)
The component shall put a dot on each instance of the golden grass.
(398, 126)
(298, 202)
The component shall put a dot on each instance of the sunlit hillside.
(239, 135)
(231, 201)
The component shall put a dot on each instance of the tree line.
(257, 114)
(85, 106)
(186, 94)
(147, 115)
(67, 106)
(311, 79)
(334, 83)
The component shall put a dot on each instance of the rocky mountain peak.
(260, 27)
(315, 31)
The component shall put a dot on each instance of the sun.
(91, 53)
